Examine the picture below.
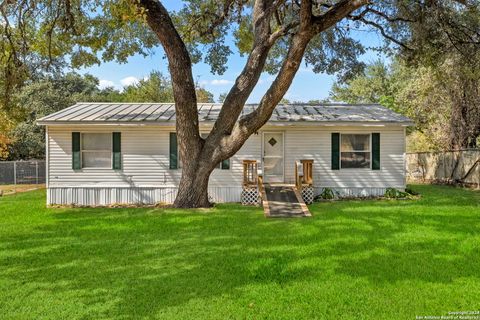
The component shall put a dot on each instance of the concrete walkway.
(283, 201)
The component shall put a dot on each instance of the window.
(355, 151)
(96, 150)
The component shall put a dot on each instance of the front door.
(273, 157)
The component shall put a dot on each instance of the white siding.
(145, 160)
(316, 144)
(145, 176)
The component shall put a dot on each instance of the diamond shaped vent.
(272, 142)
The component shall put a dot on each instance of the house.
(104, 153)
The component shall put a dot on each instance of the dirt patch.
(11, 188)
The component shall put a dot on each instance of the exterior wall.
(307, 144)
(146, 178)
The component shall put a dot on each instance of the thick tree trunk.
(228, 135)
(193, 187)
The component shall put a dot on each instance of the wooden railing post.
(252, 183)
(250, 172)
(303, 175)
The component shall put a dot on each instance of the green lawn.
(351, 260)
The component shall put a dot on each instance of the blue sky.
(307, 85)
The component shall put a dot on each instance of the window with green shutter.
(76, 154)
(335, 151)
(376, 151)
(225, 165)
(117, 151)
(174, 156)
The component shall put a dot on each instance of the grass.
(351, 260)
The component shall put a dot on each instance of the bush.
(327, 194)
(393, 193)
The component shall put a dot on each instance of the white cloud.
(268, 79)
(203, 83)
(128, 81)
(220, 82)
(106, 84)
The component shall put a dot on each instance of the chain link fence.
(21, 175)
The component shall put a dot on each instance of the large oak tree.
(275, 35)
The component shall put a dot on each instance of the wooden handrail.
(303, 173)
(250, 173)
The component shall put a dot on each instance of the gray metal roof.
(208, 112)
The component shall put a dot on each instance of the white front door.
(273, 157)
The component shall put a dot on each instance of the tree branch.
(382, 31)
(248, 78)
(336, 13)
(309, 26)
(180, 67)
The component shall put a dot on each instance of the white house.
(104, 153)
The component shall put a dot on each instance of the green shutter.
(226, 164)
(335, 151)
(375, 151)
(173, 151)
(76, 159)
(117, 151)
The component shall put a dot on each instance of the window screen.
(355, 151)
(96, 150)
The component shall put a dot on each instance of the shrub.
(393, 193)
(327, 194)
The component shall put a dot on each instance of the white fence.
(22, 172)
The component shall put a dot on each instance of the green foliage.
(230, 262)
(24, 139)
(374, 85)
(222, 96)
(154, 88)
(40, 98)
(327, 194)
(393, 193)
(204, 95)
(431, 97)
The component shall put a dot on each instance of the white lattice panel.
(307, 194)
(250, 197)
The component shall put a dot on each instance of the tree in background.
(276, 36)
(443, 101)
(157, 88)
(39, 98)
(372, 85)
(23, 139)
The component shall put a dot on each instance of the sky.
(306, 86)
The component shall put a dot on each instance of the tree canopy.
(21, 138)
(443, 101)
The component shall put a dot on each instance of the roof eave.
(207, 123)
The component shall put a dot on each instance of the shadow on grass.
(141, 261)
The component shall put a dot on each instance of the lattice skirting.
(250, 197)
(308, 194)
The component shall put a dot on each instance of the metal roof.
(112, 113)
